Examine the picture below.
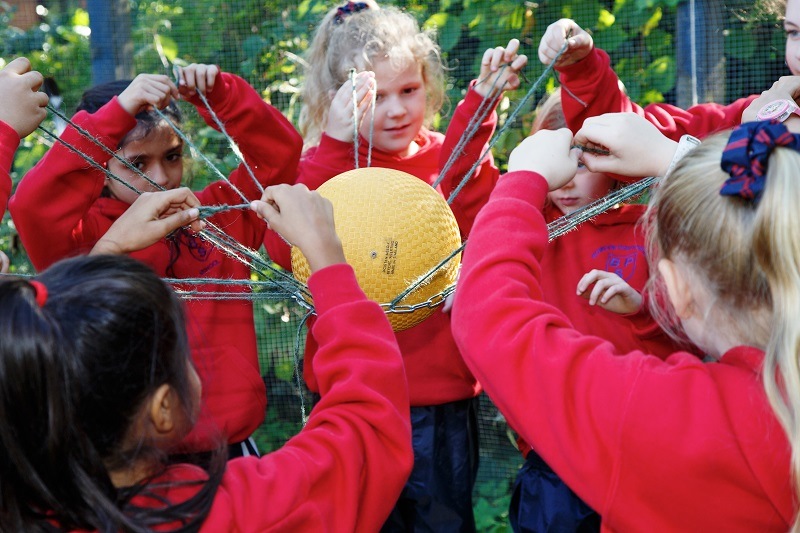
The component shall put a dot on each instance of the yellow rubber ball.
(395, 229)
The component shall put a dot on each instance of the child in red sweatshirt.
(402, 63)
(652, 444)
(595, 275)
(95, 363)
(64, 205)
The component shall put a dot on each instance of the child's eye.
(378, 97)
(410, 90)
(174, 157)
(792, 34)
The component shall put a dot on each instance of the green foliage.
(490, 504)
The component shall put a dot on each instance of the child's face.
(399, 109)
(792, 26)
(585, 188)
(159, 155)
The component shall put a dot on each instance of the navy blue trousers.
(541, 502)
(438, 495)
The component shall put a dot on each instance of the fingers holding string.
(360, 89)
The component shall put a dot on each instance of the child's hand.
(153, 216)
(5, 263)
(610, 292)
(23, 107)
(580, 43)
(786, 88)
(197, 77)
(304, 219)
(340, 114)
(147, 91)
(636, 146)
(500, 69)
(548, 153)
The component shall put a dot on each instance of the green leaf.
(739, 43)
(284, 370)
(169, 46)
(651, 97)
(517, 18)
(652, 22)
(436, 21)
(659, 43)
(661, 74)
(605, 20)
(80, 18)
(610, 39)
(448, 29)
(303, 8)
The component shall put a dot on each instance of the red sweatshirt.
(436, 372)
(590, 87)
(612, 242)
(9, 141)
(651, 444)
(58, 211)
(346, 468)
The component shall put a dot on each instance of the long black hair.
(76, 367)
(99, 95)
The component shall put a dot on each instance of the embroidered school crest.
(623, 264)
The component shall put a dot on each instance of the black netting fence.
(672, 51)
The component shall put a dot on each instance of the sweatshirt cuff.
(334, 285)
(218, 95)
(472, 100)
(113, 118)
(9, 140)
(586, 71)
(326, 142)
(525, 185)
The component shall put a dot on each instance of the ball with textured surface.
(394, 228)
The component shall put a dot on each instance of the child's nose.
(396, 108)
(159, 175)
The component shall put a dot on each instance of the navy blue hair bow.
(746, 155)
(348, 9)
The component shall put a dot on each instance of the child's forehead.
(394, 70)
(152, 138)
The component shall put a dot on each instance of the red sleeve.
(550, 399)
(51, 203)
(9, 141)
(474, 194)
(346, 468)
(590, 88)
(278, 249)
(268, 142)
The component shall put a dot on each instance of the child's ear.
(162, 407)
(678, 288)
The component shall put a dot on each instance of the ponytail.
(81, 350)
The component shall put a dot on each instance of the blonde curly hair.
(357, 40)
